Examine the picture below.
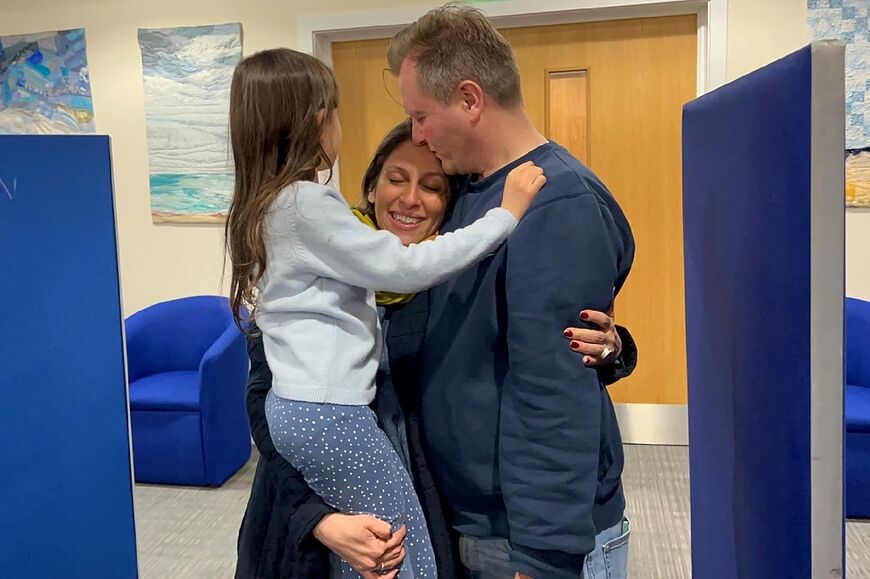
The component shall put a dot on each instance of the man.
(522, 439)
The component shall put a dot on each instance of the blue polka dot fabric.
(347, 460)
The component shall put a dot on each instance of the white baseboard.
(666, 424)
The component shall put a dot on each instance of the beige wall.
(166, 261)
(762, 31)
(158, 262)
(858, 253)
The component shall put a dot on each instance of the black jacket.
(275, 538)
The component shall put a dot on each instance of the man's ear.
(470, 96)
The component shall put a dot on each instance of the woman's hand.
(365, 542)
(393, 555)
(597, 346)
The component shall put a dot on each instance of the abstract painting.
(849, 21)
(187, 74)
(44, 84)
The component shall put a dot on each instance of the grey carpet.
(187, 532)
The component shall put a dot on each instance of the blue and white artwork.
(187, 74)
(45, 87)
(849, 21)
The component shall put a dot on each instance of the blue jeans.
(489, 557)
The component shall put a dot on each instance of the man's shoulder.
(566, 176)
(573, 191)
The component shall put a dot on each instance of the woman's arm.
(622, 365)
(604, 345)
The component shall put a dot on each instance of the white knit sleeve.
(331, 242)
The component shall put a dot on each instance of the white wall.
(160, 262)
(762, 31)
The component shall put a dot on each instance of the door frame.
(316, 33)
(639, 423)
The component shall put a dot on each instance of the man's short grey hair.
(454, 43)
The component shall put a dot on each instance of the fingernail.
(575, 345)
(568, 333)
(584, 316)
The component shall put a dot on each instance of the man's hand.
(365, 542)
(597, 346)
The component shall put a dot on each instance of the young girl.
(308, 267)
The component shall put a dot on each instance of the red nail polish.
(584, 316)
(575, 345)
(567, 333)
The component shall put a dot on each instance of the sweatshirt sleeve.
(566, 254)
(329, 241)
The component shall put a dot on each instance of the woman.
(287, 530)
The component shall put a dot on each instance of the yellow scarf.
(383, 298)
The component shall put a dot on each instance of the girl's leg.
(347, 460)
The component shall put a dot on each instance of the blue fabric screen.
(747, 152)
(66, 503)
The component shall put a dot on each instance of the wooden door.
(612, 92)
(370, 106)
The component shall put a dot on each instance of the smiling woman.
(405, 190)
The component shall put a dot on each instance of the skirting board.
(666, 424)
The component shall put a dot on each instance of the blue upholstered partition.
(66, 504)
(763, 220)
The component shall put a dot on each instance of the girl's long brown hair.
(276, 99)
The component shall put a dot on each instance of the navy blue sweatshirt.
(521, 435)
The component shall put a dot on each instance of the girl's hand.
(520, 188)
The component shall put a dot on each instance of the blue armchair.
(187, 365)
(857, 408)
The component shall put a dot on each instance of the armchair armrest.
(223, 371)
(139, 345)
(222, 376)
